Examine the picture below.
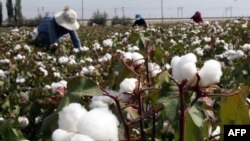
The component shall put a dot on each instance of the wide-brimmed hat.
(67, 19)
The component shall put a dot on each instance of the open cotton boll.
(127, 56)
(189, 71)
(80, 137)
(70, 115)
(174, 61)
(128, 85)
(210, 73)
(215, 132)
(178, 63)
(190, 57)
(98, 104)
(99, 124)
(61, 135)
(137, 58)
(104, 99)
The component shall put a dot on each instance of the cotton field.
(160, 83)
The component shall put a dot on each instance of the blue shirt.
(51, 32)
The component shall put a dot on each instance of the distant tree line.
(1, 13)
(15, 17)
(14, 13)
(101, 19)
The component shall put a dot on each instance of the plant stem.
(141, 121)
(182, 112)
(153, 128)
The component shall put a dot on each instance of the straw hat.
(67, 19)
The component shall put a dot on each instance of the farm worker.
(139, 21)
(197, 17)
(52, 28)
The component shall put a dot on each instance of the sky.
(147, 8)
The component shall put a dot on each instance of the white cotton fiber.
(98, 104)
(174, 61)
(137, 58)
(128, 85)
(189, 71)
(61, 135)
(80, 137)
(179, 71)
(99, 124)
(69, 116)
(210, 73)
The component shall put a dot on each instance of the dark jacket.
(197, 17)
(140, 22)
(49, 33)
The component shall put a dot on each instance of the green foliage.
(18, 17)
(234, 109)
(121, 21)
(98, 18)
(10, 11)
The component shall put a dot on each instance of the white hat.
(67, 19)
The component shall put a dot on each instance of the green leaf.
(134, 37)
(192, 132)
(1, 83)
(196, 116)
(170, 112)
(162, 78)
(234, 109)
(8, 133)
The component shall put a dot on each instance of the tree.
(10, 13)
(1, 13)
(18, 13)
(121, 21)
(99, 18)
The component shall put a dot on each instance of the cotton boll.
(190, 57)
(127, 56)
(215, 132)
(23, 121)
(239, 54)
(210, 73)
(70, 115)
(104, 99)
(98, 104)
(79, 137)
(189, 71)
(61, 135)
(99, 124)
(178, 64)
(128, 85)
(137, 58)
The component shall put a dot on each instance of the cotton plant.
(216, 133)
(3, 74)
(20, 80)
(246, 47)
(58, 87)
(184, 68)
(23, 121)
(107, 57)
(5, 61)
(154, 69)
(97, 46)
(133, 58)
(133, 48)
(19, 57)
(77, 124)
(107, 43)
(88, 70)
